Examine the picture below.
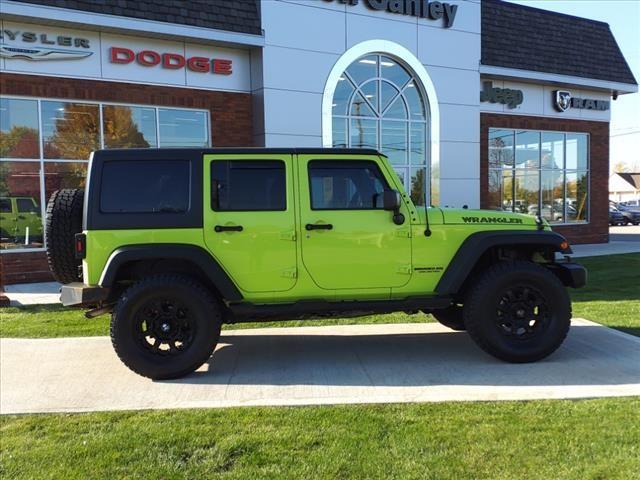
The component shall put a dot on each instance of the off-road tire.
(202, 307)
(63, 221)
(451, 317)
(486, 327)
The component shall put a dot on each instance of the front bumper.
(571, 275)
(83, 295)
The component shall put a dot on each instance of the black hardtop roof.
(160, 153)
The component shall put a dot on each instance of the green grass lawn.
(612, 298)
(588, 439)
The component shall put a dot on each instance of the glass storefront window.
(71, 131)
(183, 128)
(577, 151)
(385, 109)
(129, 127)
(548, 176)
(59, 175)
(21, 214)
(19, 137)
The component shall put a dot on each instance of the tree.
(621, 167)
(120, 130)
(77, 133)
(19, 142)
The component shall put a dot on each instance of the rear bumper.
(571, 275)
(81, 294)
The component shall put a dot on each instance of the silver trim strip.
(557, 79)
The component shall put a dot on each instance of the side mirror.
(391, 202)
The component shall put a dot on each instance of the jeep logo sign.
(415, 8)
(563, 101)
(507, 96)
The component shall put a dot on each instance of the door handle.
(318, 226)
(228, 228)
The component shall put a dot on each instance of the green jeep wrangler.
(175, 242)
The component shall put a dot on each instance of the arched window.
(379, 104)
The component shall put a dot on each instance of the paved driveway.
(317, 365)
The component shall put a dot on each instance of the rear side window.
(161, 186)
(5, 205)
(346, 185)
(240, 185)
(26, 205)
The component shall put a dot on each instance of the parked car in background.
(615, 216)
(630, 213)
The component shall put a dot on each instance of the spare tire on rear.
(64, 220)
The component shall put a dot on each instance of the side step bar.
(309, 309)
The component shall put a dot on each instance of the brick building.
(473, 101)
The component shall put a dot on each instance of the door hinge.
(405, 269)
(290, 273)
(288, 235)
(403, 233)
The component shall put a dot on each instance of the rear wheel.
(451, 317)
(518, 312)
(165, 326)
(63, 221)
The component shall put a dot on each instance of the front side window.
(378, 104)
(346, 185)
(539, 173)
(161, 186)
(245, 185)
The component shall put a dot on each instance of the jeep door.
(348, 240)
(249, 220)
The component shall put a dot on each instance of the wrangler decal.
(492, 220)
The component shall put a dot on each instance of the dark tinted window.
(5, 205)
(161, 186)
(27, 205)
(248, 185)
(346, 185)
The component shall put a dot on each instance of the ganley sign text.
(416, 8)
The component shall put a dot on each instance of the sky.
(623, 17)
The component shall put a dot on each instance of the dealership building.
(478, 103)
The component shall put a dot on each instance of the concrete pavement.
(621, 240)
(317, 365)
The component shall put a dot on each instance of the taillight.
(80, 246)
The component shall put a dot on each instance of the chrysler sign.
(30, 45)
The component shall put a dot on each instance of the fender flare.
(192, 253)
(478, 243)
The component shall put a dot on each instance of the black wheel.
(165, 326)
(451, 317)
(63, 221)
(518, 312)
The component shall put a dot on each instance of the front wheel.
(518, 312)
(165, 326)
